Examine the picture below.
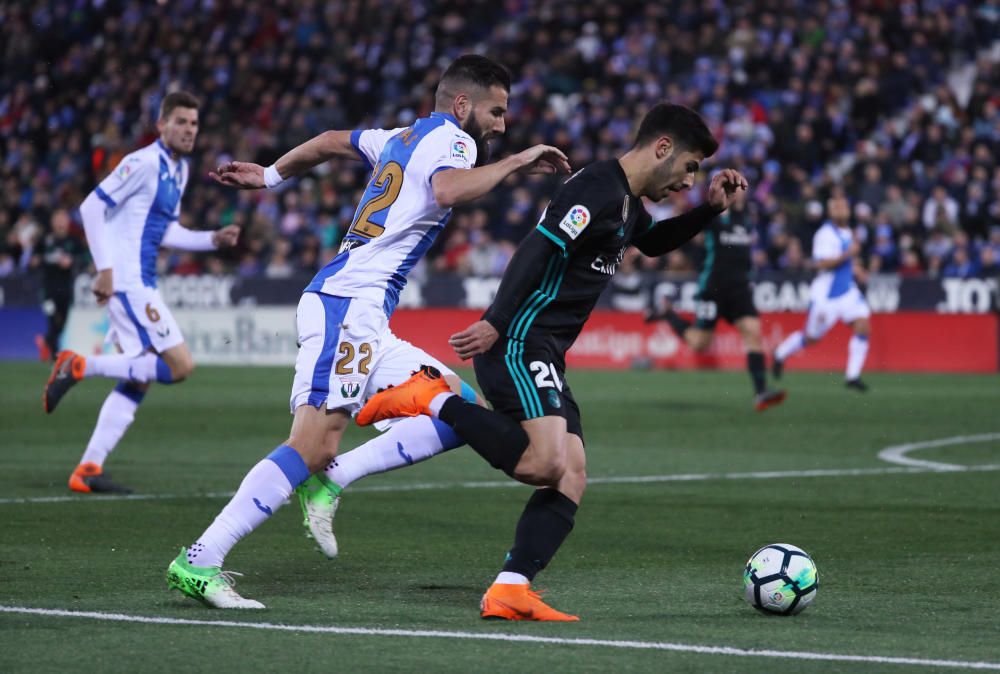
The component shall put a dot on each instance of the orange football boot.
(409, 399)
(89, 477)
(68, 370)
(769, 399)
(518, 602)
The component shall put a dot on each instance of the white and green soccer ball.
(780, 578)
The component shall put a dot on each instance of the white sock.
(794, 343)
(135, 368)
(857, 351)
(406, 442)
(117, 414)
(262, 492)
(511, 578)
(438, 402)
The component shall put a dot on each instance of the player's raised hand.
(226, 237)
(103, 287)
(723, 187)
(474, 340)
(240, 174)
(543, 159)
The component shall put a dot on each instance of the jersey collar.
(166, 153)
(447, 115)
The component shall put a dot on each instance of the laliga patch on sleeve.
(575, 221)
(127, 167)
(460, 150)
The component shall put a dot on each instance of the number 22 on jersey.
(389, 179)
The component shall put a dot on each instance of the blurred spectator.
(940, 210)
(60, 255)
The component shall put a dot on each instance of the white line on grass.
(507, 484)
(897, 454)
(522, 638)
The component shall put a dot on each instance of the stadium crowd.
(895, 103)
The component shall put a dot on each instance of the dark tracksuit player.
(550, 287)
(725, 291)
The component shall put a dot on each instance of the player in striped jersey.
(834, 296)
(127, 218)
(347, 351)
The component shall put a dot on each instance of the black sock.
(756, 366)
(498, 439)
(679, 325)
(544, 525)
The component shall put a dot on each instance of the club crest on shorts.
(554, 400)
(575, 221)
(349, 389)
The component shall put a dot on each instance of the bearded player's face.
(486, 122)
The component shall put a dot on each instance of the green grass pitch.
(908, 561)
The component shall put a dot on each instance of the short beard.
(482, 144)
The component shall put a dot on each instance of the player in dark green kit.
(551, 285)
(725, 291)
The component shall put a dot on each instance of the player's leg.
(116, 415)
(857, 314)
(142, 335)
(320, 418)
(544, 525)
(404, 442)
(753, 343)
(496, 435)
(180, 362)
(819, 320)
(266, 487)
(697, 335)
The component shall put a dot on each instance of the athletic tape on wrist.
(271, 177)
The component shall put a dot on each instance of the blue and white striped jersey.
(830, 242)
(143, 195)
(397, 218)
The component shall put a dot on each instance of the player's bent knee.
(541, 468)
(182, 371)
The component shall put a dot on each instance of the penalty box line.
(509, 484)
(521, 638)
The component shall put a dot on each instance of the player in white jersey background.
(134, 211)
(834, 296)
(347, 351)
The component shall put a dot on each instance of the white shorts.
(824, 314)
(347, 353)
(140, 321)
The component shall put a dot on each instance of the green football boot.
(319, 499)
(208, 584)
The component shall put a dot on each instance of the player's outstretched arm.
(459, 186)
(667, 235)
(182, 238)
(324, 147)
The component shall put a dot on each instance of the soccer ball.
(780, 578)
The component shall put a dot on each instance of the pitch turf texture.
(908, 560)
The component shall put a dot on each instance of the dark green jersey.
(728, 241)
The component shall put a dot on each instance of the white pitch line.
(509, 484)
(897, 454)
(521, 638)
